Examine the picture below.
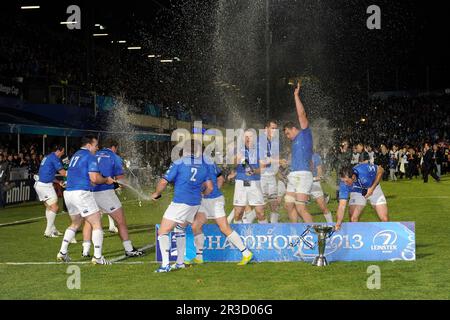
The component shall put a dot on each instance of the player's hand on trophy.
(369, 192)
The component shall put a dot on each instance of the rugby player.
(300, 179)
(316, 190)
(50, 165)
(189, 175)
(213, 207)
(110, 165)
(269, 185)
(247, 190)
(361, 183)
(82, 173)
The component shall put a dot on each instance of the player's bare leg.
(355, 212)
(76, 221)
(260, 215)
(119, 218)
(289, 203)
(300, 205)
(323, 207)
(382, 212)
(238, 213)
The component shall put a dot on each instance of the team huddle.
(261, 181)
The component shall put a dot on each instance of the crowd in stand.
(399, 121)
(45, 56)
(30, 156)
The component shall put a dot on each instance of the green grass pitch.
(427, 278)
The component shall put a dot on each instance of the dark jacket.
(4, 172)
(428, 161)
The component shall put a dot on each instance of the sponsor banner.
(19, 191)
(362, 241)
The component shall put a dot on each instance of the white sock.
(274, 217)
(199, 241)
(181, 247)
(263, 221)
(50, 215)
(238, 221)
(111, 222)
(328, 217)
(127, 245)
(237, 242)
(86, 247)
(250, 216)
(164, 248)
(97, 240)
(68, 236)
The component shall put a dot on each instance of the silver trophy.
(323, 233)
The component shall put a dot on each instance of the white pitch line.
(22, 221)
(123, 257)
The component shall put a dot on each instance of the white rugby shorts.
(213, 208)
(377, 198)
(181, 212)
(300, 182)
(251, 195)
(107, 200)
(81, 202)
(46, 192)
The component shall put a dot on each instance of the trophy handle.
(330, 234)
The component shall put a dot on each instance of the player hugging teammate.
(89, 192)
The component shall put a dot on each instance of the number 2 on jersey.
(194, 173)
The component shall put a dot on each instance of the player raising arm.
(190, 175)
(361, 183)
(300, 179)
